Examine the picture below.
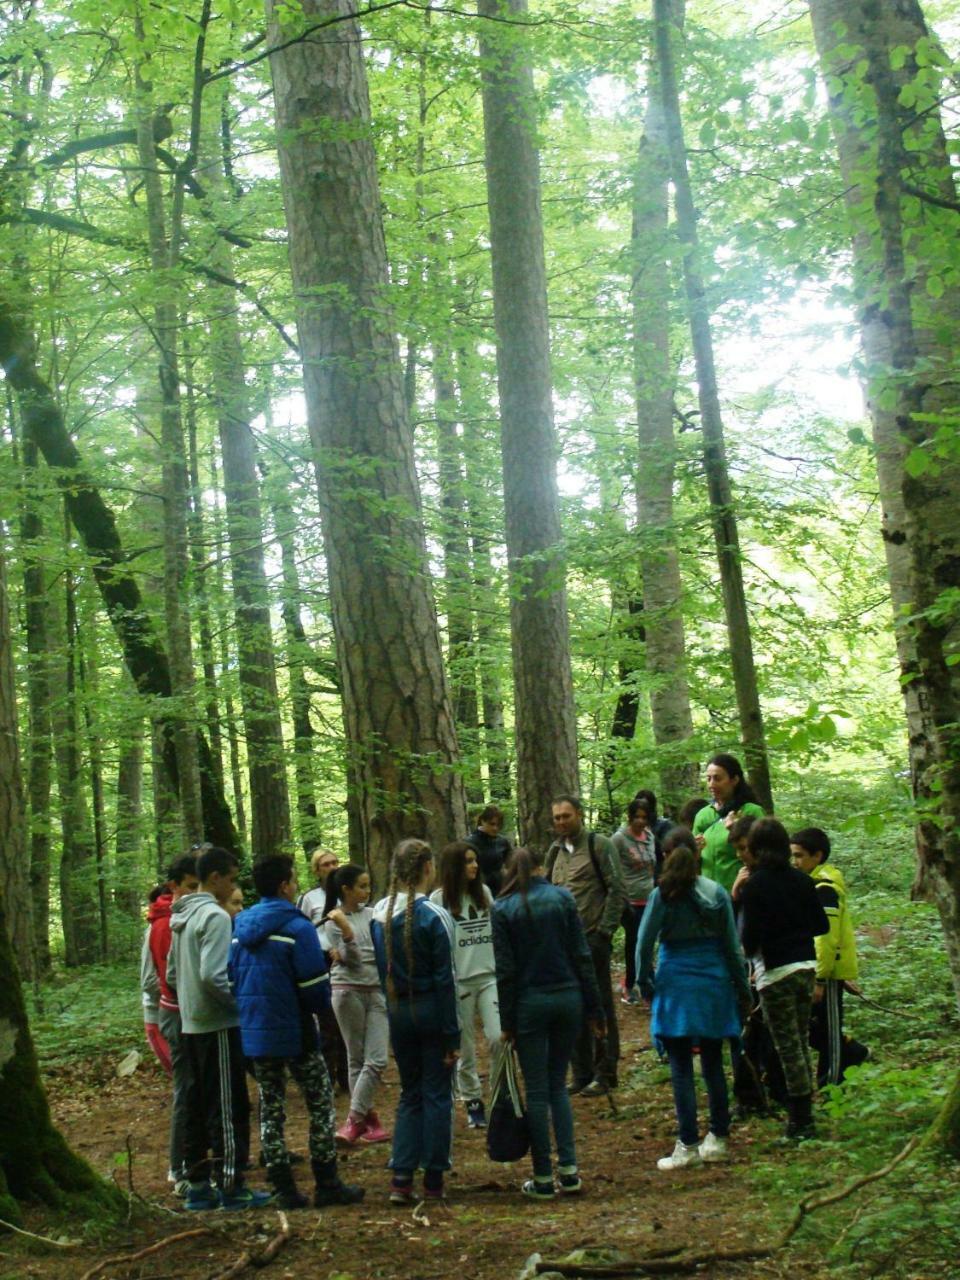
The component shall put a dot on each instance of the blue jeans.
(680, 1053)
(548, 1023)
(423, 1128)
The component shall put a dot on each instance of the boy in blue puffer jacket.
(280, 980)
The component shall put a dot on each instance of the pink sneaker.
(374, 1130)
(351, 1129)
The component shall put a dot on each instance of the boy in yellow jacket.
(836, 952)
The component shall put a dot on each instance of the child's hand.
(336, 957)
(340, 920)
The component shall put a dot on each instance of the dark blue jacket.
(432, 989)
(280, 979)
(538, 942)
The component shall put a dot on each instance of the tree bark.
(722, 511)
(651, 297)
(129, 823)
(397, 715)
(546, 728)
(14, 868)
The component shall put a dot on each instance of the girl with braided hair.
(413, 939)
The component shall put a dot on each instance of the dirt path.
(485, 1231)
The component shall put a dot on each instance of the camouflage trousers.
(310, 1073)
(786, 1010)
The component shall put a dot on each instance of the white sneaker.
(713, 1149)
(683, 1157)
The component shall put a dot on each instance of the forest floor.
(485, 1228)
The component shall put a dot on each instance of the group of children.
(277, 988)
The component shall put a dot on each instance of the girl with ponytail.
(547, 987)
(413, 939)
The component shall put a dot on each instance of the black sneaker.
(570, 1184)
(476, 1115)
(535, 1189)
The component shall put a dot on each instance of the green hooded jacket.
(836, 950)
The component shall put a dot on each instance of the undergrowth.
(86, 1012)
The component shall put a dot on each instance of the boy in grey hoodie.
(218, 1106)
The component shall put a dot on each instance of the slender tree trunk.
(227, 665)
(126, 879)
(78, 857)
(14, 868)
(87, 673)
(546, 728)
(297, 654)
(488, 608)
(722, 511)
(198, 560)
(665, 643)
(263, 728)
(908, 326)
(397, 715)
(38, 701)
(176, 565)
(457, 575)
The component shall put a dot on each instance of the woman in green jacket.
(731, 798)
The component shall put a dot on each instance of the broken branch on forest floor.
(652, 1266)
(57, 1244)
(143, 1253)
(258, 1260)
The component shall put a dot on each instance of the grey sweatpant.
(168, 1021)
(477, 999)
(362, 1018)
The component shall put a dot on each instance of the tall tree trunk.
(78, 857)
(176, 567)
(650, 294)
(38, 701)
(397, 715)
(457, 574)
(908, 325)
(87, 673)
(129, 822)
(227, 664)
(269, 797)
(298, 651)
(198, 560)
(546, 727)
(477, 451)
(14, 867)
(722, 512)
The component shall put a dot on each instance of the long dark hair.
(769, 843)
(409, 859)
(454, 884)
(343, 878)
(742, 792)
(519, 872)
(679, 873)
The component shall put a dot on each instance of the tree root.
(258, 1260)
(652, 1266)
(56, 1244)
(143, 1253)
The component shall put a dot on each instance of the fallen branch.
(143, 1253)
(652, 1266)
(261, 1259)
(57, 1244)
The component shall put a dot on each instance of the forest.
(408, 407)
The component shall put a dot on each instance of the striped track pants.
(217, 1145)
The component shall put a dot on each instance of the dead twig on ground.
(56, 1244)
(650, 1266)
(143, 1253)
(258, 1260)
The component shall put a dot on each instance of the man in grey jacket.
(586, 864)
(218, 1106)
